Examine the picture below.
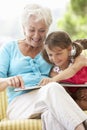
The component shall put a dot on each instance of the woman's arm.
(80, 62)
(5, 59)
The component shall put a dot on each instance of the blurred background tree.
(74, 20)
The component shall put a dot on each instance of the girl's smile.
(58, 56)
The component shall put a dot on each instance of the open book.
(63, 84)
(27, 88)
(73, 85)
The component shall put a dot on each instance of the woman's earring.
(73, 51)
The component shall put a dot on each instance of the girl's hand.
(45, 81)
(15, 81)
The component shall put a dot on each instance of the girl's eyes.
(55, 54)
(49, 55)
(58, 53)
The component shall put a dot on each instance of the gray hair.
(41, 13)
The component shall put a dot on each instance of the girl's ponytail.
(78, 48)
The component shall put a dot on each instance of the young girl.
(61, 51)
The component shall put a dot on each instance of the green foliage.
(79, 7)
(74, 20)
(67, 24)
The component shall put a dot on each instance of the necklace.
(58, 70)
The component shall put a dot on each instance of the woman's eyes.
(42, 30)
(32, 30)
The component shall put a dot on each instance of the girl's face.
(35, 32)
(59, 56)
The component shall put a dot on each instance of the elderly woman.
(22, 65)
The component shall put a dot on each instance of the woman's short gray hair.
(41, 13)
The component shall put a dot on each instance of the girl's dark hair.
(60, 39)
(83, 42)
(78, 47)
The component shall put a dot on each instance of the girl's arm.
(80, 62)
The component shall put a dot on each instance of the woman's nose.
(36, 34)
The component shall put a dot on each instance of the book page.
(73, 85)
(27, 88)
(63, 84)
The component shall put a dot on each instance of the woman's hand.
(45, 81)
(15, 81)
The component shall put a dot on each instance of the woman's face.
(35, 32)
(58, 56)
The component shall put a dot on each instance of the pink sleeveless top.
(79, 78)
